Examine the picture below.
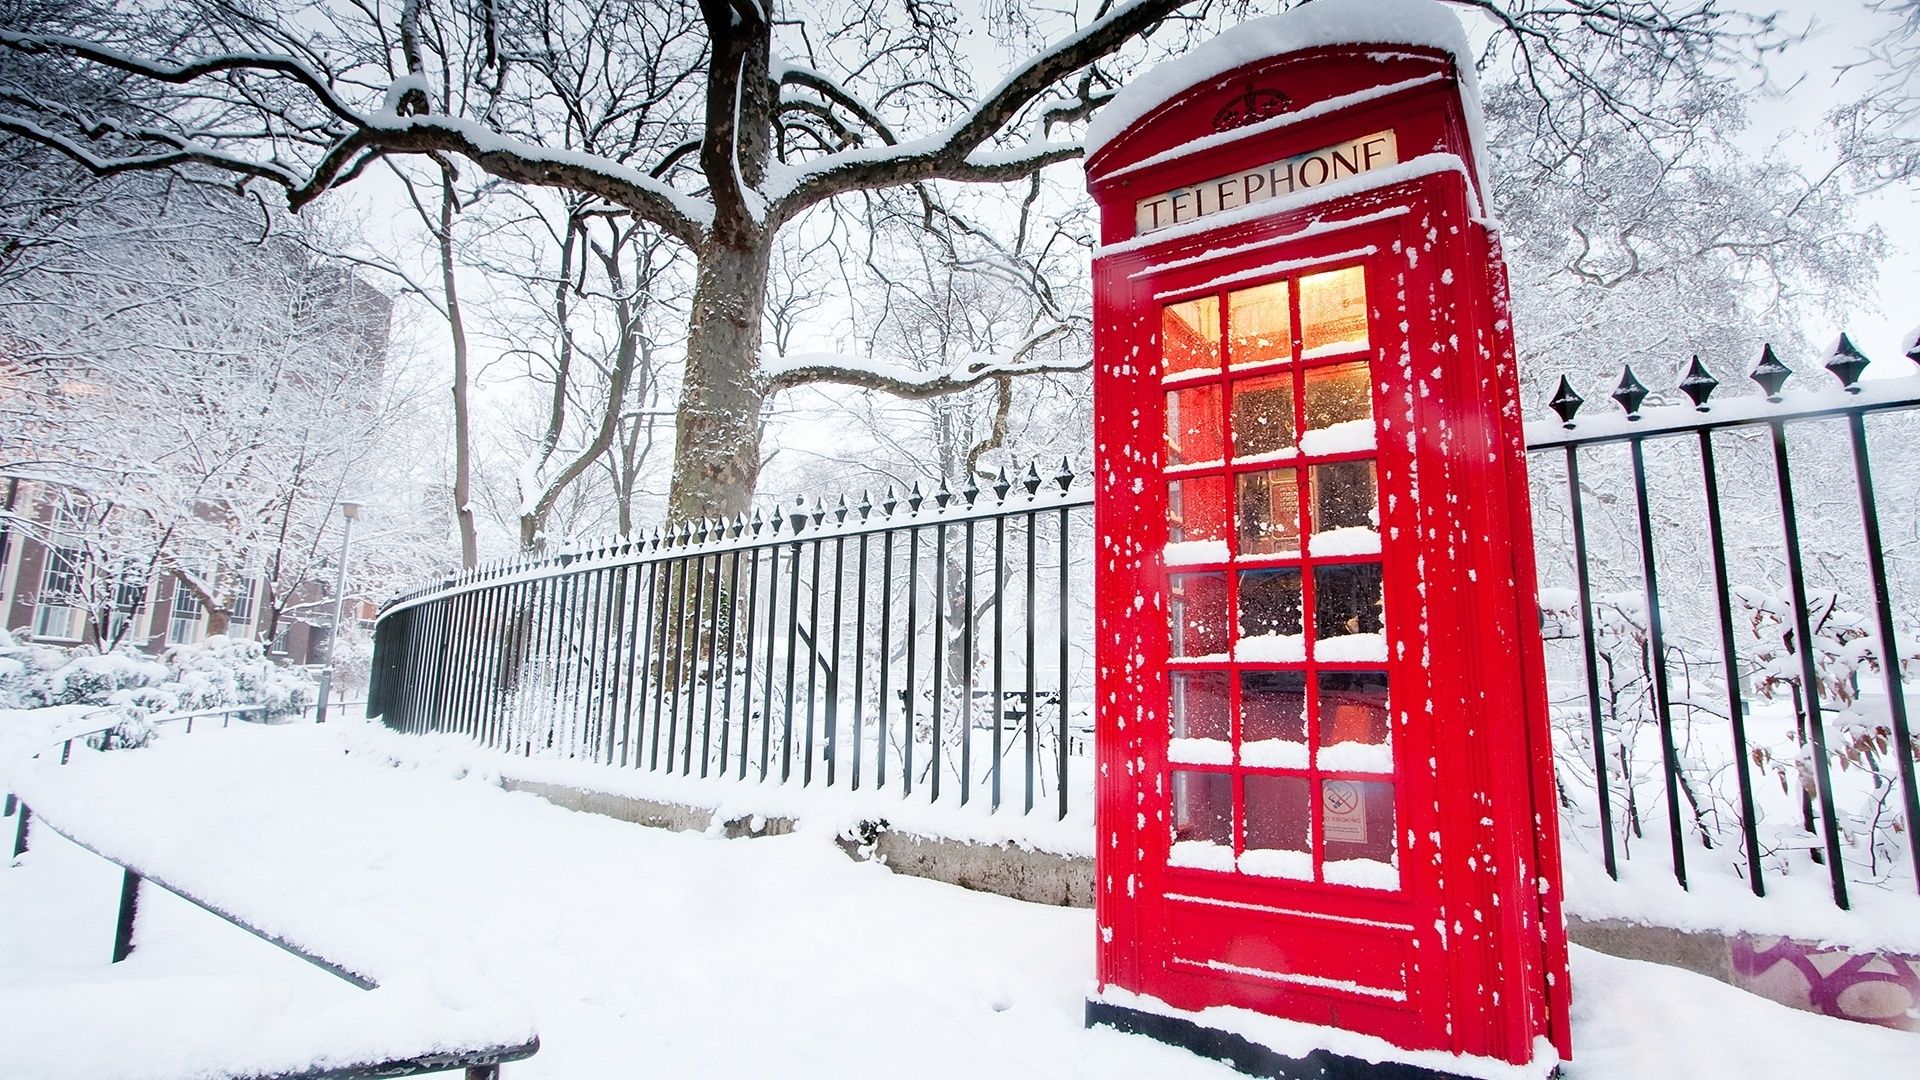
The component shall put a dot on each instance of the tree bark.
(716, 459)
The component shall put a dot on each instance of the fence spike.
(1566, 401)
(914, 498)
(819, 511)
(1847, 363)
(866, 504)
(971, 491)
(1770, 373)
(1630, 393)
(889, 501)
(942, 497)
(797, 517)
(1001, 485)
(1698, 384)
(840, 509)
(1065, 477)
(1032, 480)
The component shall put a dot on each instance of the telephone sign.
(1325, 789)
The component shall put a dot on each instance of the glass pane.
(1270, 616)
(1263, 417)
(1202, 820)
(1345, 509)
(1333, 312)
(1197, 520)
(1261, 325)
(1273, 719)
(1336, 395)
(1190, 335)
(1270, 512)
(1197, 607)
(1202, 719)
(1357, 828)
(1193, 425)
(1279, 816)
(1354, 736)
(1347, 605)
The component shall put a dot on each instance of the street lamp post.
(350, 510)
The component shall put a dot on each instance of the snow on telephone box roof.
(1114, 144)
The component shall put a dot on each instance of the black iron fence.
(924, 643)
(1727, 591)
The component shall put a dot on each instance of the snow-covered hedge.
(211, 674)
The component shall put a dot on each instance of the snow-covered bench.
(403, 1026)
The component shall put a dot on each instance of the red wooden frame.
(1468, 953)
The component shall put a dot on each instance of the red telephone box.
(1325, 789)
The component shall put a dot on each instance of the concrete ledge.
(1870, 987)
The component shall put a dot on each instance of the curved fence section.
(931, 644)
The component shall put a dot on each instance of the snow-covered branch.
(804, 369)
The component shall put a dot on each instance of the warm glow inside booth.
(1324, 781)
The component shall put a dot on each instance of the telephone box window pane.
(1190, 335)
(1202, 719)
(1270, 512)
(1260, 324)
(1347, 618)
(1197, 520)
(1202, 820)
(1354, 735)
(1333, 312)
(1273, 719)
(1339, 409)
(1279, 818)
(1197, 607)
(1193, 425)
(1270, 616)
(1357, 833)
(1345, 509)
(1263, 417)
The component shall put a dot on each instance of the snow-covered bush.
(211, 674)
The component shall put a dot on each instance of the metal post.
(20, 830)
(129, 911)
(349, 510)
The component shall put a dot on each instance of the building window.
(281, 638)
(244, 603)
(183, 627)
(129, 600)
(58, 613)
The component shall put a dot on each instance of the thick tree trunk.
(716, 459)
(462, 418)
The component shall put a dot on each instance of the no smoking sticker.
(1344, 812)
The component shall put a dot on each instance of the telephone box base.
(1244, 1055)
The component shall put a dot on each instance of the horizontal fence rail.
(931, 645)
(1725, 637)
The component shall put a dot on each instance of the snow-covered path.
(644, 952)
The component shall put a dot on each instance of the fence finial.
(971, 491)
(914, 497)
(1847, 363)
(942, 497)
(1770, 373)
(840, 509)
(1032, 480)
(1565, 402)
(1630, 393)
(890, 500)
(1001, 485)
(797, 517)
(1065, 476)
(866, 504)
(1698, 383)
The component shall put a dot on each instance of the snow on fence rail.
(929, 644)
(939, 645)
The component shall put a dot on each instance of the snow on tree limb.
(804, 369)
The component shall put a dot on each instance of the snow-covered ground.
(639, 950)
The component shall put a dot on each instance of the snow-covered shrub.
(24, 671)
(99, 678)
(212, 674)
(222, 671)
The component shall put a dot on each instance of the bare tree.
(719, 126)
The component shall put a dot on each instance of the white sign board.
(1344, 812)
(1281, 178)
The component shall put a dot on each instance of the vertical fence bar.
(1736, 713)
(1889, 648)
(966, 661)
(643, 658)
(663, 646)
(833, 650)
(999, 710)
(886, 657)
(937, 712)
(1033, 528)
(773, 634)
(860, 658)
(746, 656)
(1809, 676)
(1662, 699)
(690, 669)
(1583, 580)
(713, 656)
(793, 648)
(813, 660)
(1064, 735)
